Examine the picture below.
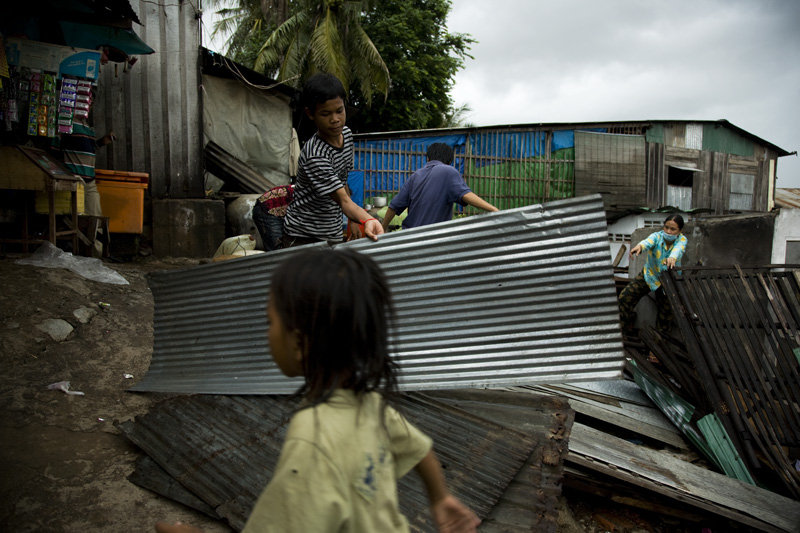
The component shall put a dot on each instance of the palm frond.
(271, 54)
(326, 48)
(227, 24)
(368, 65)
(295, 61)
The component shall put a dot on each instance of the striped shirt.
(78, 150)
(322, 170)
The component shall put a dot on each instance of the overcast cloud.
(590, 60)
(597, 60)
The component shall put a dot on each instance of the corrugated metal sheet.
(154, 109)
(680, 197)
(787, 197)
(694, 136)
(228, 465)
(613, 165)
(742, 188)
(530, 502)
(231, 169)
(509, 298)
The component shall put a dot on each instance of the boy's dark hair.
(676, 218)
(339, 301)
(440, 152)
(320, 88)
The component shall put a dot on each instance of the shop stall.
(46, 95)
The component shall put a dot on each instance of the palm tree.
(242, 21)
(456, 117)
(326, 35)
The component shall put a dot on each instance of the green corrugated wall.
(721, 139)
(524, 182)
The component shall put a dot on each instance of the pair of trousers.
(91, 199)
(270, 227)
(635, 291)
(290, 241)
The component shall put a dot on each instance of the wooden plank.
(32, 169)
(648, 422)
(668, 436)
(611, 489)
(682, 481)
(677, 156)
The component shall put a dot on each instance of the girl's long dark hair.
(339, 301)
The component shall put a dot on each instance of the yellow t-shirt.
(338, 469)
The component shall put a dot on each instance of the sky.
(615, 60)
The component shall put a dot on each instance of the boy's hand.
(355, 231)
(177, 527)
(452, 516)
(373, 228)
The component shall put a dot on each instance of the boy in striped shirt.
(321, 194)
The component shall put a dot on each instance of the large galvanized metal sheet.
(508, 298)
(154, 107)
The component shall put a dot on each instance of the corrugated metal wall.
(507, 167)
(155, 108)
(613, 165)
(508, 298)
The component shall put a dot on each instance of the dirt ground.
(64, 464)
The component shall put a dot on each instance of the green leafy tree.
(326, 35)
(362, 42)
(423, 58)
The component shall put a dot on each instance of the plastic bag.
(49, 256)
(239, 245)
(63, 386)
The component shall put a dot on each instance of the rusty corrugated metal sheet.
(508, 298)
(228, 464)
(742, 332)
(228, 168)
(530, 502)
(787, 197)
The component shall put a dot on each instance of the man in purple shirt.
(430, 192)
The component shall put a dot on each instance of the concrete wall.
(187, 227)
(735, 239)
(787, 228)
(713, 241)
(721, 241)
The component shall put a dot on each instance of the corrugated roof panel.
(787, 197)
(228, 465)
(515, 297)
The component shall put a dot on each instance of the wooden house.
(711, 165)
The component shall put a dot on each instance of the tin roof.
(228, 465)
(570, 125)
(787, 197)
(508, 298)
